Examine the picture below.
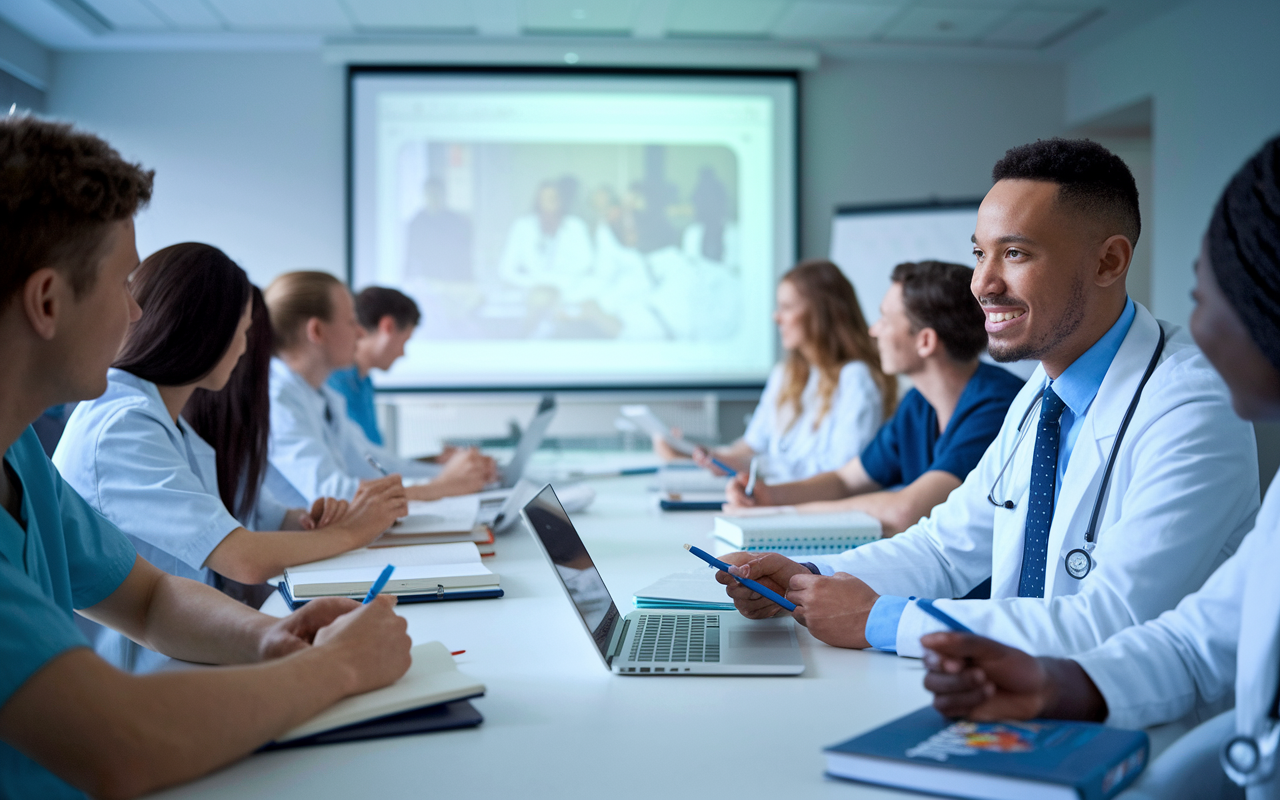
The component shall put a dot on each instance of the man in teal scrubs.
(69, 722)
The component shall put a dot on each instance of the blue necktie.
(1044, 477)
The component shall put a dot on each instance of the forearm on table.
(825, 486)
(255, 556)
(166, 728)
(194, 622)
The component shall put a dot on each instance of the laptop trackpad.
(749, 645)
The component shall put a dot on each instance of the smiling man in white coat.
(1166, 468)
(1228, 633)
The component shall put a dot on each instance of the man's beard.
(1072, 317)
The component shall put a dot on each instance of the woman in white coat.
(825, 402)
(138, 462)
(1225, 636)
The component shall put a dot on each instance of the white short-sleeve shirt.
(802, 450)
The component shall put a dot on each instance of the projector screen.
(586, 230)
(867, 242)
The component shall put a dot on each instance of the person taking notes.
(137, 461)
(314, 445)
(931, 330)
(1076, 551)
(1219, 646)
(825, 402)
(387, 319)
(65, 305)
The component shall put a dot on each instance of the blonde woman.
(824, 403)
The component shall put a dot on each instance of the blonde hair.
(294, 298)
(836, 334)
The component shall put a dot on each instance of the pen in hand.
(379, 584)
(373, 462)
(751, 477)
(762, 590)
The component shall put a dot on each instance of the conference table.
(558, 723)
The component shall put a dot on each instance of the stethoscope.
(1080, 560)
(1249, 761)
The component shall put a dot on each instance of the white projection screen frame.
(575, 230)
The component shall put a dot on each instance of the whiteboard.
(868, 242)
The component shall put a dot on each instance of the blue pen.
(747, 582)
(379, 584)
(951, 622)
(373, 462)
(728, 470)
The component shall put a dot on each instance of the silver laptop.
(510, 474)
(657, 642)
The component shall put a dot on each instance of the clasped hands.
(834, 609)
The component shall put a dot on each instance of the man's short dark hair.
(936, 295)
(375, 302)
(1090, 179)
(60, 189)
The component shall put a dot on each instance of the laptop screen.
(574, 567)
(530, 441)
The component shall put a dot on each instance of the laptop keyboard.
(676, 637)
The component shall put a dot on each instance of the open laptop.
(510, 474)
(657, 642)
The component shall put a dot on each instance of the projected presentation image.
(574, 240)
(575, 230)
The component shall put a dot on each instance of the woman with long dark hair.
(134, 457)
(824, 403)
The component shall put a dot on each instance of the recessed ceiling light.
(571, 58)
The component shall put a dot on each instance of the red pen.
(457, 652)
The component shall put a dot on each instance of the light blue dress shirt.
(808, 445)
(316, 449)
(359, 394)
(1077, 386)
(61, 555)
(157, 480)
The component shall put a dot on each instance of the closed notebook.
(802, 534)
(696, 589)
(1037, 760)
(432, 679)
(420, 569)
(480, 535)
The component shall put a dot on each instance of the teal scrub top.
(62, 555)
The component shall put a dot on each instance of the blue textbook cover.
(927, 752)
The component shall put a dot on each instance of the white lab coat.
(1188, 660)
(316, 458)
(1182, 496)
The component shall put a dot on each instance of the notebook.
(696, 589)
(1038, 760)
(691, 501)
(799, 534)
(480, 535)
(447, 515)
(432, 680)
(423, 572)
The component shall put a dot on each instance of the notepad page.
(439, 516)
(695, 586)
(432, 679)
(414, 555)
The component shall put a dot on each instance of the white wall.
(1212, 69)
(889, 131)
(248, 148)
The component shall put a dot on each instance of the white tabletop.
(558, 724)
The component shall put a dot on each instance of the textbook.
(425, 698)
(1037, 760)
(423, 573)
(696, 589)
(798, 534)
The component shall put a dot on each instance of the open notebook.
(423, 572)
(432, 680)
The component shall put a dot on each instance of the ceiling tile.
(579, 16)
(1035, 27)
(824, 19)
(929, 24)
(724, 17)
(125, 15)
(412, 14)
(283, 15)
(187, 14)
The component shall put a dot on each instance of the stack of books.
(798, 534)
(452, 519)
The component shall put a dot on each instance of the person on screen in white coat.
(1053, 243)
(1225, 636)
(824, 403)
(315, 446)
